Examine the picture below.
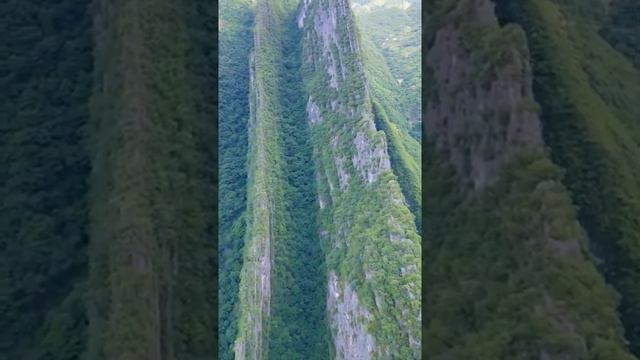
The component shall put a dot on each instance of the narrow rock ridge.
(255, 283)
(369, 319)
(480, 122)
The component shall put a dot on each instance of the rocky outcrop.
(264, 165)
(348, 317)
(370, 158)
(329, 54)
(483, 119)
(313, 112)
(480, 122)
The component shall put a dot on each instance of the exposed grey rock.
(480, 123)
(331, 187)
(411, 268)
(313, 112)
(351, 341)
(325, 25)
(371, 158)
(343, 175)
(302, 13)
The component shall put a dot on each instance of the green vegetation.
(152, 255)
(405, 161)
(109, 183)
(370, 238)
(287, 238)
(511, 274)
(492, 47)
(288, 317)
(45, 82)
(124, 172)
(299, 329)
(507, 276)
(588, 94)
(622, 29)
(387, 98)
(236, 22)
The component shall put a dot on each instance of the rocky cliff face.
(481, 118)
(351, 339)
(373, 296)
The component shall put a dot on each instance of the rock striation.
(373, 249)
(480, 122)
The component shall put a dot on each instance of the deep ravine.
(320, 277)
(285, 317)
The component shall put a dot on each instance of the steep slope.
(373, 255)
(281, 288)
(622, 27)
(395, 27)
(404, 150)
(235, 24)
(152, 259)
(510, 275)
(45, 83)
(588, 92)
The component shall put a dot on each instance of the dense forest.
(112, 150)
(107, 242)
(152, 230)
(234, 48)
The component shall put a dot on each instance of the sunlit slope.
(366, 228)
(404, 150)
(394, 26)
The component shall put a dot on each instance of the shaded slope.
(236, 22)
(510, 275)
(588, 94)
(622, 28)
(299, 293)
(152, 240)
(45, 84)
